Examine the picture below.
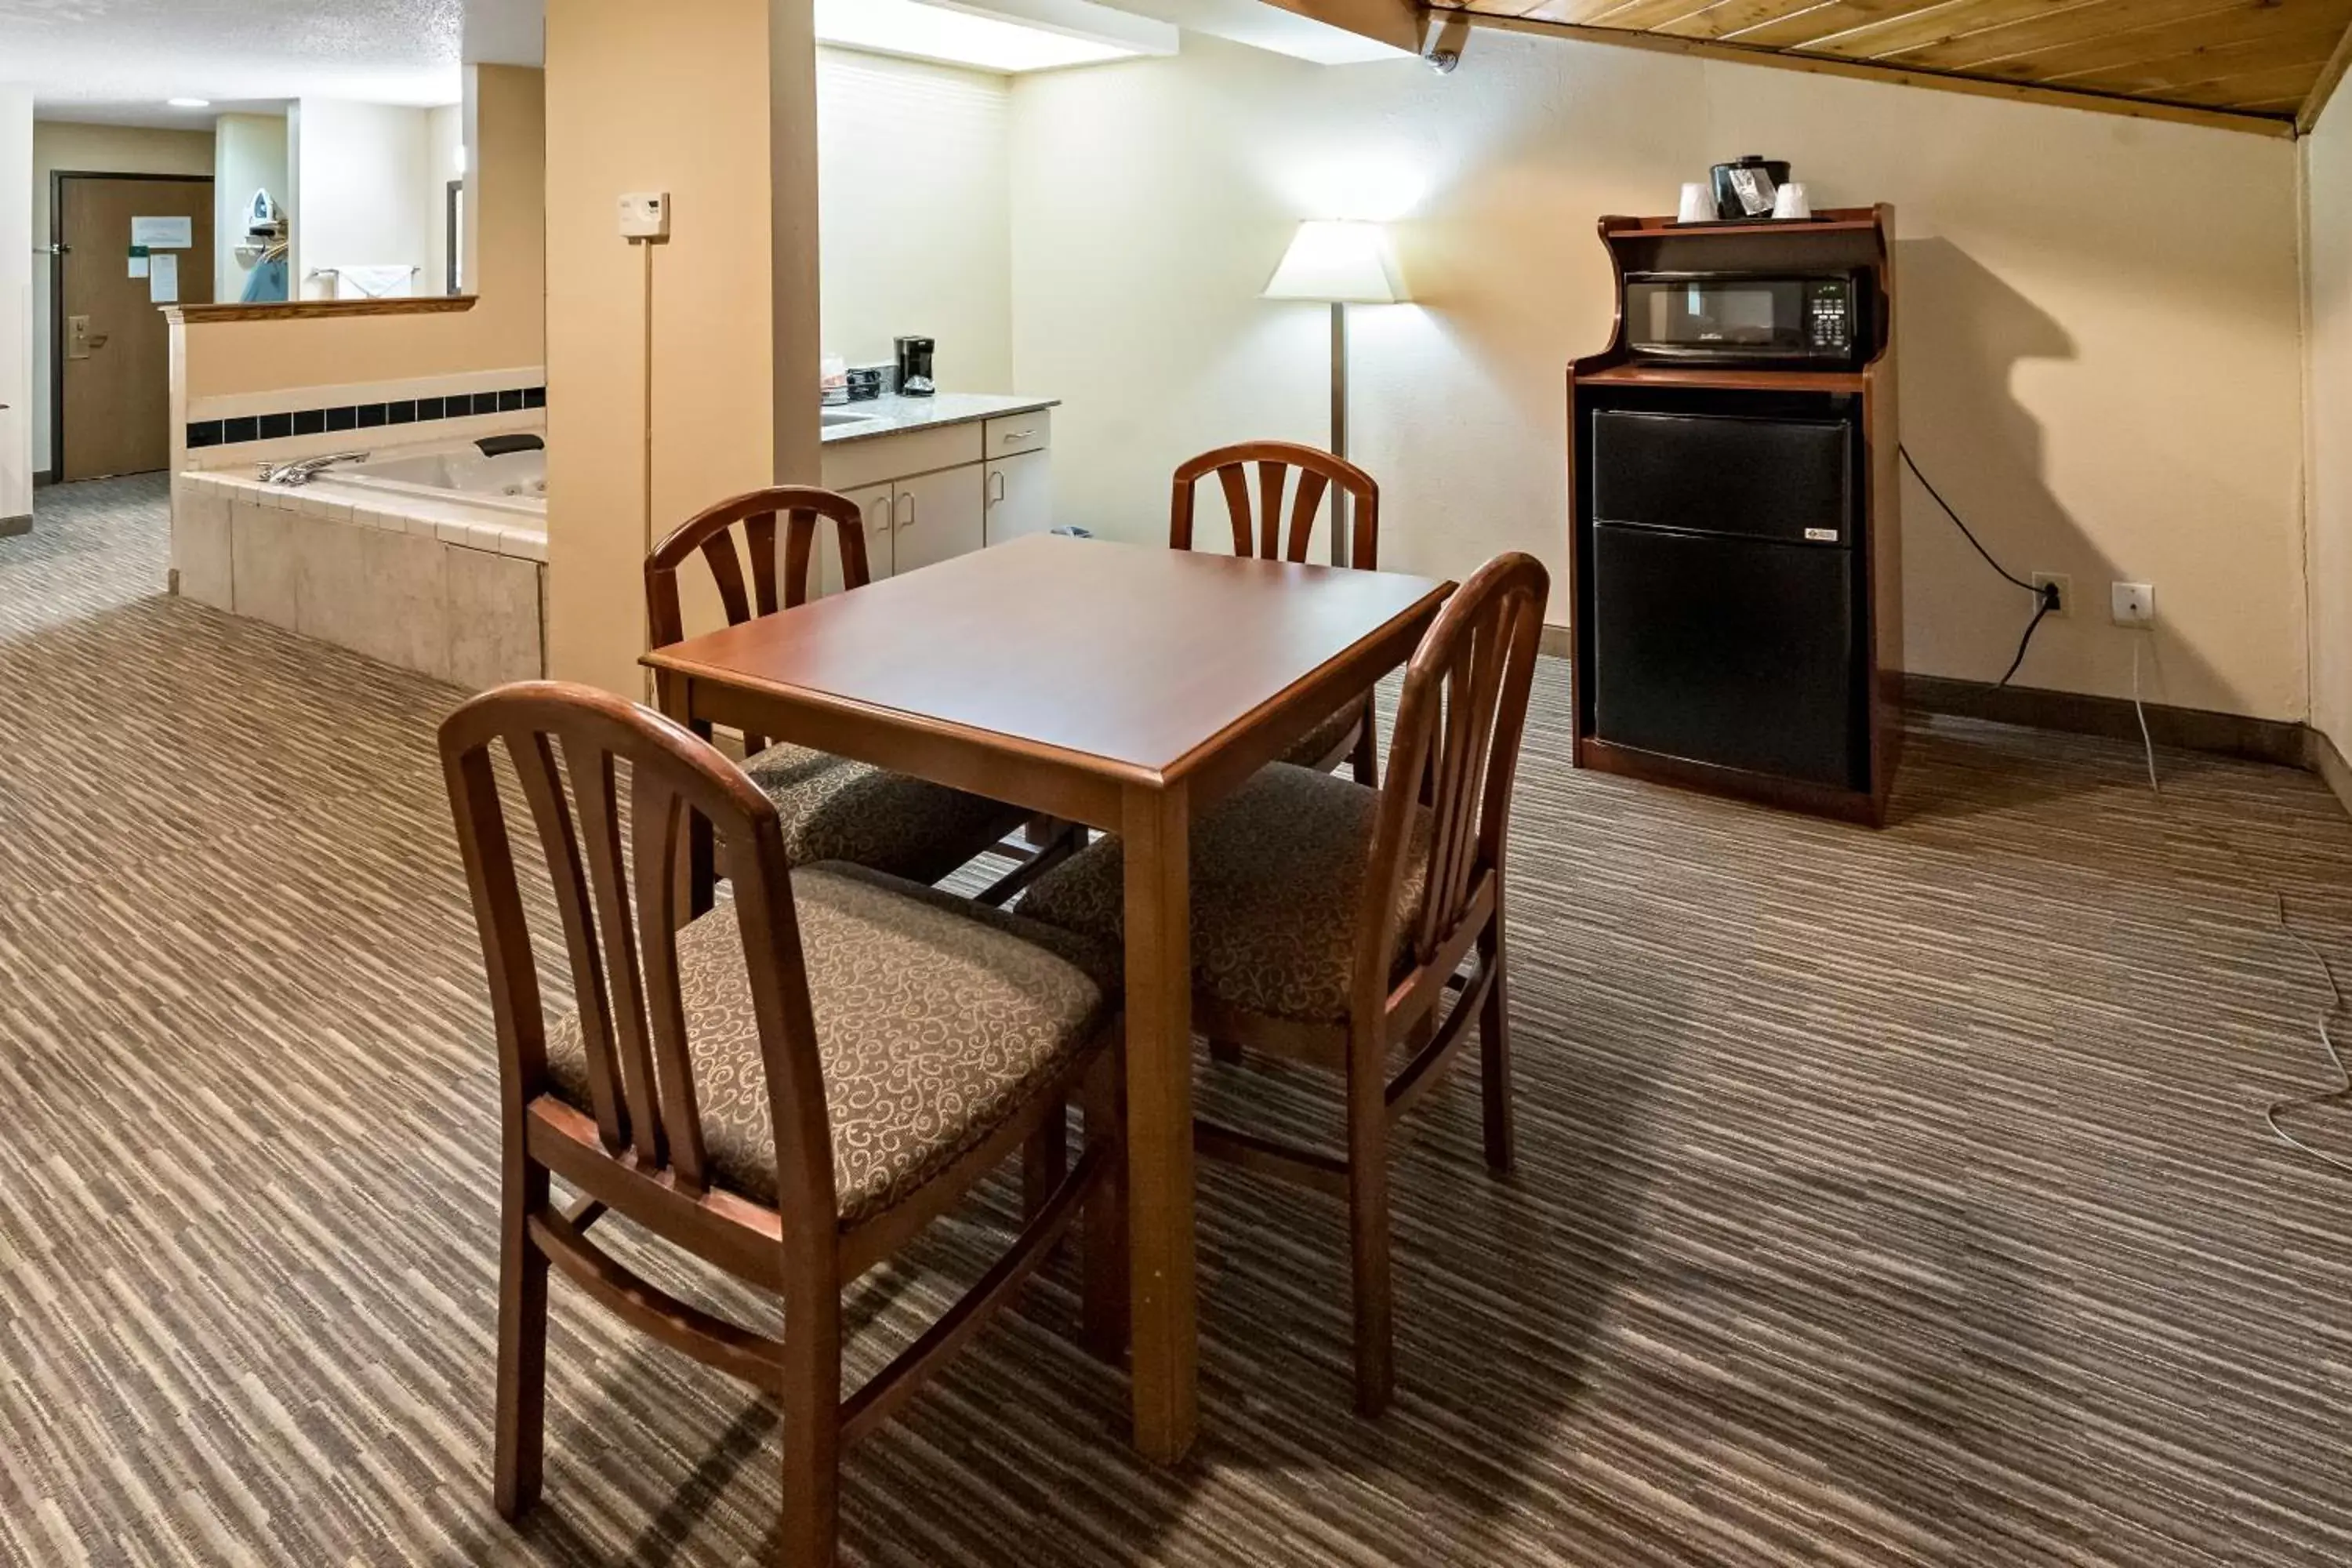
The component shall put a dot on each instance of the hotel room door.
(113, 346)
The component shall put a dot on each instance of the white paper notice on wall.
(139, 266)
(164, 232)
(163, 279)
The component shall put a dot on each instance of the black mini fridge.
(1727, 592)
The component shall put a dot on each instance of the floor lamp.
(1341, 264)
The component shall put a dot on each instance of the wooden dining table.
(1124, 686)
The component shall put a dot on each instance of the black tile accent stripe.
(361, 417)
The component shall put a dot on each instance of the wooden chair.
(1347, 735)
(789, 1087)
(1329, 922)
(833, 808)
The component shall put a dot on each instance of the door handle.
(910, 511)
(996, 488)
(80, 339)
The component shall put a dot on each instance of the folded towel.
(375, 282)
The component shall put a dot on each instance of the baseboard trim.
(43, 479)
(2322, 758)
(1557, 642)
(2278, 741)
(10, 527)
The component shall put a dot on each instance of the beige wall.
(917, 211)
(361, 169)
(2105, 390)
(713, 103)
(2327, 183)
(506, 331)
(59, 145)
(17, 304)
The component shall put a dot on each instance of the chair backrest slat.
(657, 822)
(1258, 527)
(1453, 754)
(595, 790)
(711, 534)
(535, 763)
(632, 1016)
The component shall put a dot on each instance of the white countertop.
(894, 416)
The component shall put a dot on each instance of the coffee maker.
(915, 368)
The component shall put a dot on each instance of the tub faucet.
(302, 471)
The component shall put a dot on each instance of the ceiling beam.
(1396, 23)
(1941, 81)
(2330, 75)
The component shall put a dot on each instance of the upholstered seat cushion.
(1279, 875)
(1324, 738)
(935, 1020)
(836, 809)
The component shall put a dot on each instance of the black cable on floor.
(2045, 596)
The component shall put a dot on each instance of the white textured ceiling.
(118, 60)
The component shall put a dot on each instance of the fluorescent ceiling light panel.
(187, 103)
(954, 34)
(1270, 27)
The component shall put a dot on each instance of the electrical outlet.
(2065, 587)
(2133, 604)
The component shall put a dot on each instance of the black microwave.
(1749, 318)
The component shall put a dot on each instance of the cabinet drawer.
(851, 466)
(1031, 432)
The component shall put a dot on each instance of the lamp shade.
(1339, 263)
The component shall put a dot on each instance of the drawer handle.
(1018, 435)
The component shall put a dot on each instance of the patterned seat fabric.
(1325, 737)
(935, 1020)
(836, 809)
(1277, 887)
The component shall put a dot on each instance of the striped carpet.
(1886, 1198)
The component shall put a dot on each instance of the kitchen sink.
(832, 418)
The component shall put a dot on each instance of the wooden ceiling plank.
(2186, 68)
(1854, 29)
(2268, 124)
(2109, 19)
(1949, 24)
(1645, 15)
(2151, 46)
(1729, 18)
(2307, 114)
(2231, 78)
(1574, 13)
(2292, 83)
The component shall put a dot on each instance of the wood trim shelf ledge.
(312, 310)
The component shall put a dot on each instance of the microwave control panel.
(1829, 318)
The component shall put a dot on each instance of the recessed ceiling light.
(935, 31)
(187, 103)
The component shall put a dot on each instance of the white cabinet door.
(941, 516)
(875, 500)
(1020, 496)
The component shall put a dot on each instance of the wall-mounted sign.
(164, 232)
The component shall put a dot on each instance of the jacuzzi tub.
(515, 482)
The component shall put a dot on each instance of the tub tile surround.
(278, 427)
(429, 587)
(402, 417)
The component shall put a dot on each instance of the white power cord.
(2270, 1112)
